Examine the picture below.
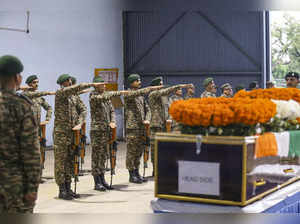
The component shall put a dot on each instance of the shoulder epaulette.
(25, 98)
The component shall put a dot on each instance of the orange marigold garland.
(222, 111)
(273, 93)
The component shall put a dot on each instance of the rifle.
(83, 145)
(76, 148)
(112, 153)
(146, 149)
(168, 125)
(43, 142)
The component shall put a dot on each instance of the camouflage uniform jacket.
(226, 96)
(19, 148)
(78, 110)
(39, 102)
(206, 94)
(136, 109)
(159, 114)
(63, 103)
(102, 111)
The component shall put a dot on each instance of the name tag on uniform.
(199, 178)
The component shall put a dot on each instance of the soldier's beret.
(252, 85)
(62, 78)
(10, 65)
(133, 77)
(74, 80)
(226, 85)
(156, 81)
(207, 81)
(98, 79)
(30, 79)
(292, 74)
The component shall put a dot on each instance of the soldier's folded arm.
(30, 153)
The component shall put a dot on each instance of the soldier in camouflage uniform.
(210, 88)
(190, 92)
(137, 113)
(38, 102)
(103, 118)
(19, 147)
(226, 90)
(157, 108)
(175, 97)
(63, 132)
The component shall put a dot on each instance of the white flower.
(220, 131)
(212, 129)
(258, 130)
(287, 109)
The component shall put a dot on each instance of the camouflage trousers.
(135, 147)
(42, 148)
(153, 131)
(13, 204)
(99, 141)
(63, 157)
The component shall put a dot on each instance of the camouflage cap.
(207, 81)
(226, 85)
(156, 81)
(62, 78)
(10, 65)
(98, 79)
(292, 74)
(74, 80)
(133, 77)
(30, 79)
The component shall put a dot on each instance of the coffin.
(217, 169)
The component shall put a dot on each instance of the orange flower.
(223, 111)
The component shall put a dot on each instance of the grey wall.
(65, 37)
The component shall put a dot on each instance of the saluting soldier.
(137, 114)
(63, 131)
(226, 90)
(190, 92)
(158, 111)
(103, 119)
(176, 96)
(38, 102)
(210, 88)
(19, 147)
(292, 79)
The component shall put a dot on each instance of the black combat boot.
(133, 178)
(69, 190)
(136, 171)
(106, 185)
(98, 184)
(63, 194)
